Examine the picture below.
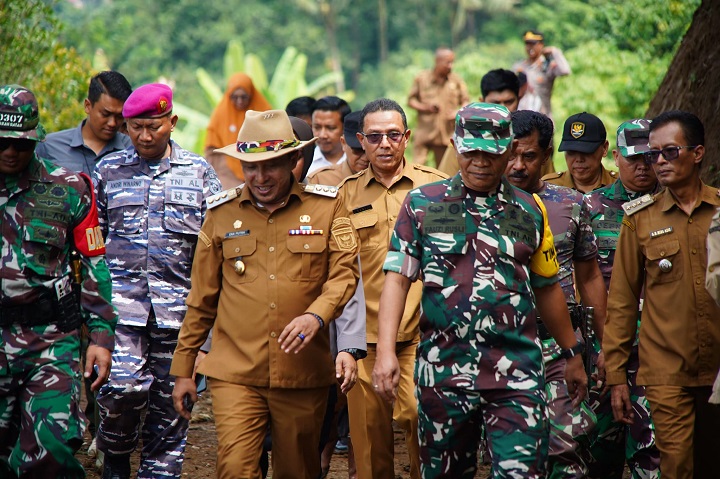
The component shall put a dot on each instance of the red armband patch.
(87, 235)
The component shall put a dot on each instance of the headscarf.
(226, 120)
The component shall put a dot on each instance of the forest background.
(619, 50)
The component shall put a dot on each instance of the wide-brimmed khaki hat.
(264, 135)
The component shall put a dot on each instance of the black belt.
(38, 312)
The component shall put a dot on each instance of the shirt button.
(272, 276)
(694, 251)
(662, 253)
(272, 306)
(271, 249)
(237, 250)
(389, 192)
(271, 221)
(697, 281)
(690, 220)
(272, 335)
(306, 246)
(701, 314)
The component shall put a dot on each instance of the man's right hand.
(576, 379)
(621, 405)
(184, 387)
(386, 376)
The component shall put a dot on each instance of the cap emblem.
(577, 129)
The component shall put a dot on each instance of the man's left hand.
(576, 379)
(345, 371)
(101, 357)
(298, 333)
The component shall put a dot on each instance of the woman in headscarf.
(240, 96)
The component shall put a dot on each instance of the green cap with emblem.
(633, 137)
(19, 114)
(483, 126)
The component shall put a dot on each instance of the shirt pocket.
(307, 261)
(512, 266)
(243, 249)
(366, 226)
(125, 213)
(442, 254)
(43, 245)
(657, 253)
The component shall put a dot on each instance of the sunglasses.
(670, 153)
(20, 144)
(377, 138)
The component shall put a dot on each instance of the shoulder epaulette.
(428, 169)
(632, 207)
(322, 190)
(224, 196)
(553, 176)
(351, 177)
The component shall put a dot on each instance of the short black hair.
(690, 124)
(301, 106)
(522, 79)
(333, 103)
(110, 83)
(499, 80)
(524, 122)
(382, 104)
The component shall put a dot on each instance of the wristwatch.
(574, 351)
(356, 353)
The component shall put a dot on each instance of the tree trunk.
(692, 83)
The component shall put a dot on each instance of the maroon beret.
(149, 101)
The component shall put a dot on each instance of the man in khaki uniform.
(661, 250)
(275, 263)
(356, 159)
(585, 144)
(437, 95)
(374, 197)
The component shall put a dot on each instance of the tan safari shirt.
(564, 178)
(373, 212)
(330, 175)
(450, 95)
(285, 275)
(662, 250)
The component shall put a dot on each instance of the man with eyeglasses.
(485, 256)
(374, 197)
(585, 144)
(661, 251)
(615, 443)
(45, 296)
(542, 66)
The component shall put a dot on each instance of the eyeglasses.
(377, 138)
(20, 144)
(670, 153)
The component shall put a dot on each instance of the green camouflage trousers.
(41, 426)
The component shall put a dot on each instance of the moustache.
(519, 176)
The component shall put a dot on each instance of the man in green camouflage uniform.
(45, 213)
(485, 253)
(614, 443)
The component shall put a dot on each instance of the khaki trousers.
(242, 414)
(371, 417)
(686, 431)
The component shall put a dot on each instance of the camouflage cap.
(633, 137)
(19, 114)
(483, 126)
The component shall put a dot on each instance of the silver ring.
(301, 336)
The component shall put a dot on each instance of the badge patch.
(344, 234)
(305, 219)
(444, 218)
(237, 224)
(577, 129)
(664, 231)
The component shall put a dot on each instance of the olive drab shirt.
(479, 257)
(662, 249)
(564, 178)
(151, 213)
(39, 210)
(253, 273)
(374, 210)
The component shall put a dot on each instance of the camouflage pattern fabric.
(632, 137)
(151, 213)
(19, 114)
(613, 444)
(140, 380)
(570, 427)
(151, 220)
(474, 254)
(483, 126)
(40, 424)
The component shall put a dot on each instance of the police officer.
(46, 212)
(584, 141)
(374, 197)
(569, 216)
(661, 249)
(613, 442)
(275, 263)
(151, 199)
(485, 253)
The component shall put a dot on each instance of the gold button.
(690, 220)
(389, 192)
(272, 276)
(237, 250)
(701, 314)
(271, 221)
(306, 246)
(697, 281)
(694, 251)
(272, 335)
(662, 253)
(272, 306)
(271, 249)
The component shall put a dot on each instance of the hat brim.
(231, 150)
(352, 141)
(496, 147)
(637, 150)
(36, 134)
(581, 146)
